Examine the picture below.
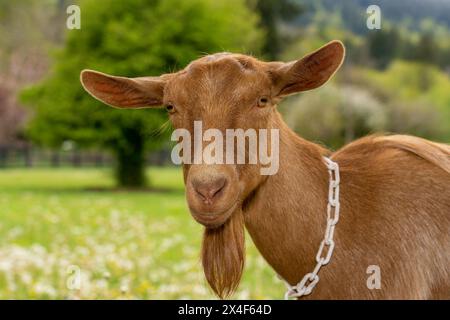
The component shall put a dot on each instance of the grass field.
(66, 234)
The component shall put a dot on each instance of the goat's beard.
(223, 255)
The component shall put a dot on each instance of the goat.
(394, 190)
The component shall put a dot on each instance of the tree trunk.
(130, 160)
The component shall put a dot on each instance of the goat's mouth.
(213, 220)
(212, 193)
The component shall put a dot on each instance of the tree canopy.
(130, 38)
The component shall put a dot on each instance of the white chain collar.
(309, 281)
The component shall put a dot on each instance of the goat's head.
(224, 91)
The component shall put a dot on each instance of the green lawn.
(66, 234)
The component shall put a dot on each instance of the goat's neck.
(286, 216)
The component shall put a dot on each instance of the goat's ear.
(122, 92)
(310, 72)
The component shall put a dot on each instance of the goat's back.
(395, 213)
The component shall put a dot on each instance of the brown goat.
(394, 190)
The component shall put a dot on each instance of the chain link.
(310, 280)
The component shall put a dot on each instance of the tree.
(25, 35)
(335, 115)
(131, 38)
(272, 13)
(427, 49)
(384, 46)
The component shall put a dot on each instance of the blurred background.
(90, 205)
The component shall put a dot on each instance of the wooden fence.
(13, 156)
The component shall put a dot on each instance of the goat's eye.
(263, 101)
(170, 108)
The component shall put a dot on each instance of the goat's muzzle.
(212, 192)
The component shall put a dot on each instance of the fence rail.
(32, 156)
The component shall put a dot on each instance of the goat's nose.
(209, 190)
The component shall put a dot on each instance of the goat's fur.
(395, 213)
(394, 190)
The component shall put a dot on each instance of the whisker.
(165, 127)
